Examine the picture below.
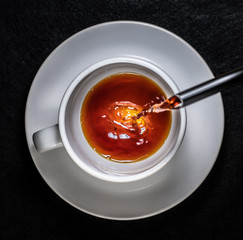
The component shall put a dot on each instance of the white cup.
(68, 133)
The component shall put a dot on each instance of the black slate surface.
(29, 32)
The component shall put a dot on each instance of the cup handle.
(47, 139)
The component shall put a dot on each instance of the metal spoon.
(198, 92)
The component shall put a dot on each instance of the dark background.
(29, 32)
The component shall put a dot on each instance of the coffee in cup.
(109, 118)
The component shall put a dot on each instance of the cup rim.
(62, 111)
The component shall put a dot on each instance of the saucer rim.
(93, 28)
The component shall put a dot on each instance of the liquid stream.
(173, 102)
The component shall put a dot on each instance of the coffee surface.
(109, 123)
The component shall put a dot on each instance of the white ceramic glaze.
(47, 139)
(191, 163)
(72, 136)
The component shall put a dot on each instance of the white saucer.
(181, 176)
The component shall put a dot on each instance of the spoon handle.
(210, 87)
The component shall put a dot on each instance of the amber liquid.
(171, 103)
(109, 118)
